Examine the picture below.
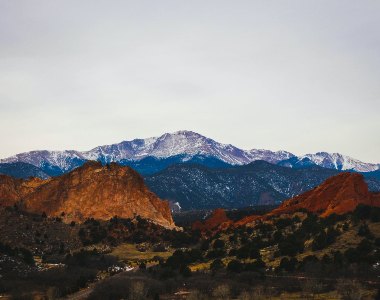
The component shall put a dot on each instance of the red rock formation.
(91, 191)
(13, 189)
(339, 194)
(217, 220)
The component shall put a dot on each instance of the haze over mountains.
(180, 146)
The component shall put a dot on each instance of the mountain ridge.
(181, 143)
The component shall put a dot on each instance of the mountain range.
(154, 154)
(259, 183)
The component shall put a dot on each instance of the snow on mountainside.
(186, 144)
(167, 145)
(340, 162)
(270, 156)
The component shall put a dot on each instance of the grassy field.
(129, 252)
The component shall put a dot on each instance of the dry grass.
(129, 252)
(204, 266)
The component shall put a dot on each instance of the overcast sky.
(302, 76)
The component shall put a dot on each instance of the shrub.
(364, 230)
(364, 247)
(257, 266)
(205, 245)
(351, 255)
(185, 271)
(216, 265)
(218, 244)
(290, 246)
(310, 224)
(362, 212)
(218, 253)
(287, 264)
(338, 258)
(235, 266)
(282, 223)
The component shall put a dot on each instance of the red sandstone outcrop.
(13, 189)
(339, 194)
(217, 221)
(91, 191)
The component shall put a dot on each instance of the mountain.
(373, 174)
(90, 191)
(329, 160)
(150, 165)
(146, 166)
(22, 170)
(180, 146)
(53, 163)
(339, 194)
(258, 183)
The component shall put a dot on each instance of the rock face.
(339, 194)
(12, 190)
(218, 220)
(90, 191)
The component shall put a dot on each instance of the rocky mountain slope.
(22, 170)
(258, 183)
(182, 145)
(91, 191)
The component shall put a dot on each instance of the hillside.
(91, 191)
(259, 183)
(339, 194)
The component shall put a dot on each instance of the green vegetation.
(295, 256)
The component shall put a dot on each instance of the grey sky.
(302, 76)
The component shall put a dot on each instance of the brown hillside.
(91, 191)
(13, 189)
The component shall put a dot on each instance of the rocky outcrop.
(217, 221)
(91, 191)
(12, 190)
(339, 194)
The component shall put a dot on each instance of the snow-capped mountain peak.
(340, 162)
(185, 143)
